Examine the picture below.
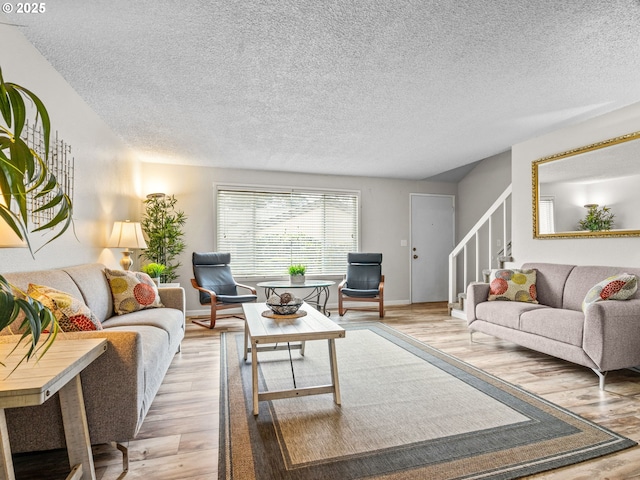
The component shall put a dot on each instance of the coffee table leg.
(334, 371)
(246, 339)
(254, 375)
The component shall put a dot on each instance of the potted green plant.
(163, 224)
(154, 270)
(597, 218)
(296, 273)
(24, 175)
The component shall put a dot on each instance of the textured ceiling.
(389, 88)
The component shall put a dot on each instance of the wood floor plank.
(179, 438)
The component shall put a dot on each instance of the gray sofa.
(121, 384)
(606, 337)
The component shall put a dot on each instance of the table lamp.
(126, 235)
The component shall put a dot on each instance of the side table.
(33, 383)
(318, 296)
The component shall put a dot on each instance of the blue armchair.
(216, 286)
(364, 282)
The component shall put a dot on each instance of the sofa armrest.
(611, 335)
(477, 292)
(174, 297)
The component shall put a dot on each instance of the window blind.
(545, 211)
(266, 231)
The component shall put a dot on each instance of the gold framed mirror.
(602, 177)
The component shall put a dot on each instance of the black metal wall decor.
(60, 163)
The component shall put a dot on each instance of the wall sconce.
(126, 235)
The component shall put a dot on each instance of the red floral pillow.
(132, 291)
(513, 285)
(72, 314)
(616, 287)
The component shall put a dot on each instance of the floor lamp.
(126, 235)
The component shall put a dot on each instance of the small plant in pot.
(296, 273)
(154, 270)
(597, 218)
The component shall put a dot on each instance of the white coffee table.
(262, 331)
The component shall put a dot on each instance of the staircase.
(477, 250)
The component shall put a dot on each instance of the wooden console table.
(34, 382)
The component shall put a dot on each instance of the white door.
(432, 240)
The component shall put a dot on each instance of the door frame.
(411, 195)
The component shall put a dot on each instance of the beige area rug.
(408, 411)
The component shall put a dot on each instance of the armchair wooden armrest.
(253, 290)
(211, 293)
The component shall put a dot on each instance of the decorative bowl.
(284, 304)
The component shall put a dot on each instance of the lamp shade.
(127, 235)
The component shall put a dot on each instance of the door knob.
(415, 256)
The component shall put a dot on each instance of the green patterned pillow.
(513, 285)
(72, 314)
(132, 291)
(616, 287)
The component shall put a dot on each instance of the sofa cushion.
(583, 278)
(550, 281)
(555, 323)
(513, 285)
(506, 314)
(91, 281)
(616, 287)
(132, 291)
(169, 320)
(72, 314)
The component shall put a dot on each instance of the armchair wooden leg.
(340, 308)
(381, 309)
(213, 316)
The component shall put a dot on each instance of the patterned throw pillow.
(513, 285)
(616, 287)
(132, 291)
(72, 314)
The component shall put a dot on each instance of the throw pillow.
(72, 314)
(132, 291)
(616, 287)
(513, 285)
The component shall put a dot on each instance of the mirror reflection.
(589, 192)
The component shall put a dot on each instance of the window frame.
(276, 189)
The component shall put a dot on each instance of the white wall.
(581, 251)
(479, 189)
(385, 214)
(106, 174)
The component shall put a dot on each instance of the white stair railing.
(481, 261)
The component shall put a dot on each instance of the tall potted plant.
(24, 175)
(163, 224)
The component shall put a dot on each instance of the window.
(267, 230)
(545, 210)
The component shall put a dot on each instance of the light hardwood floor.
(179, 437)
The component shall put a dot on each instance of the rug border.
(616, 443)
